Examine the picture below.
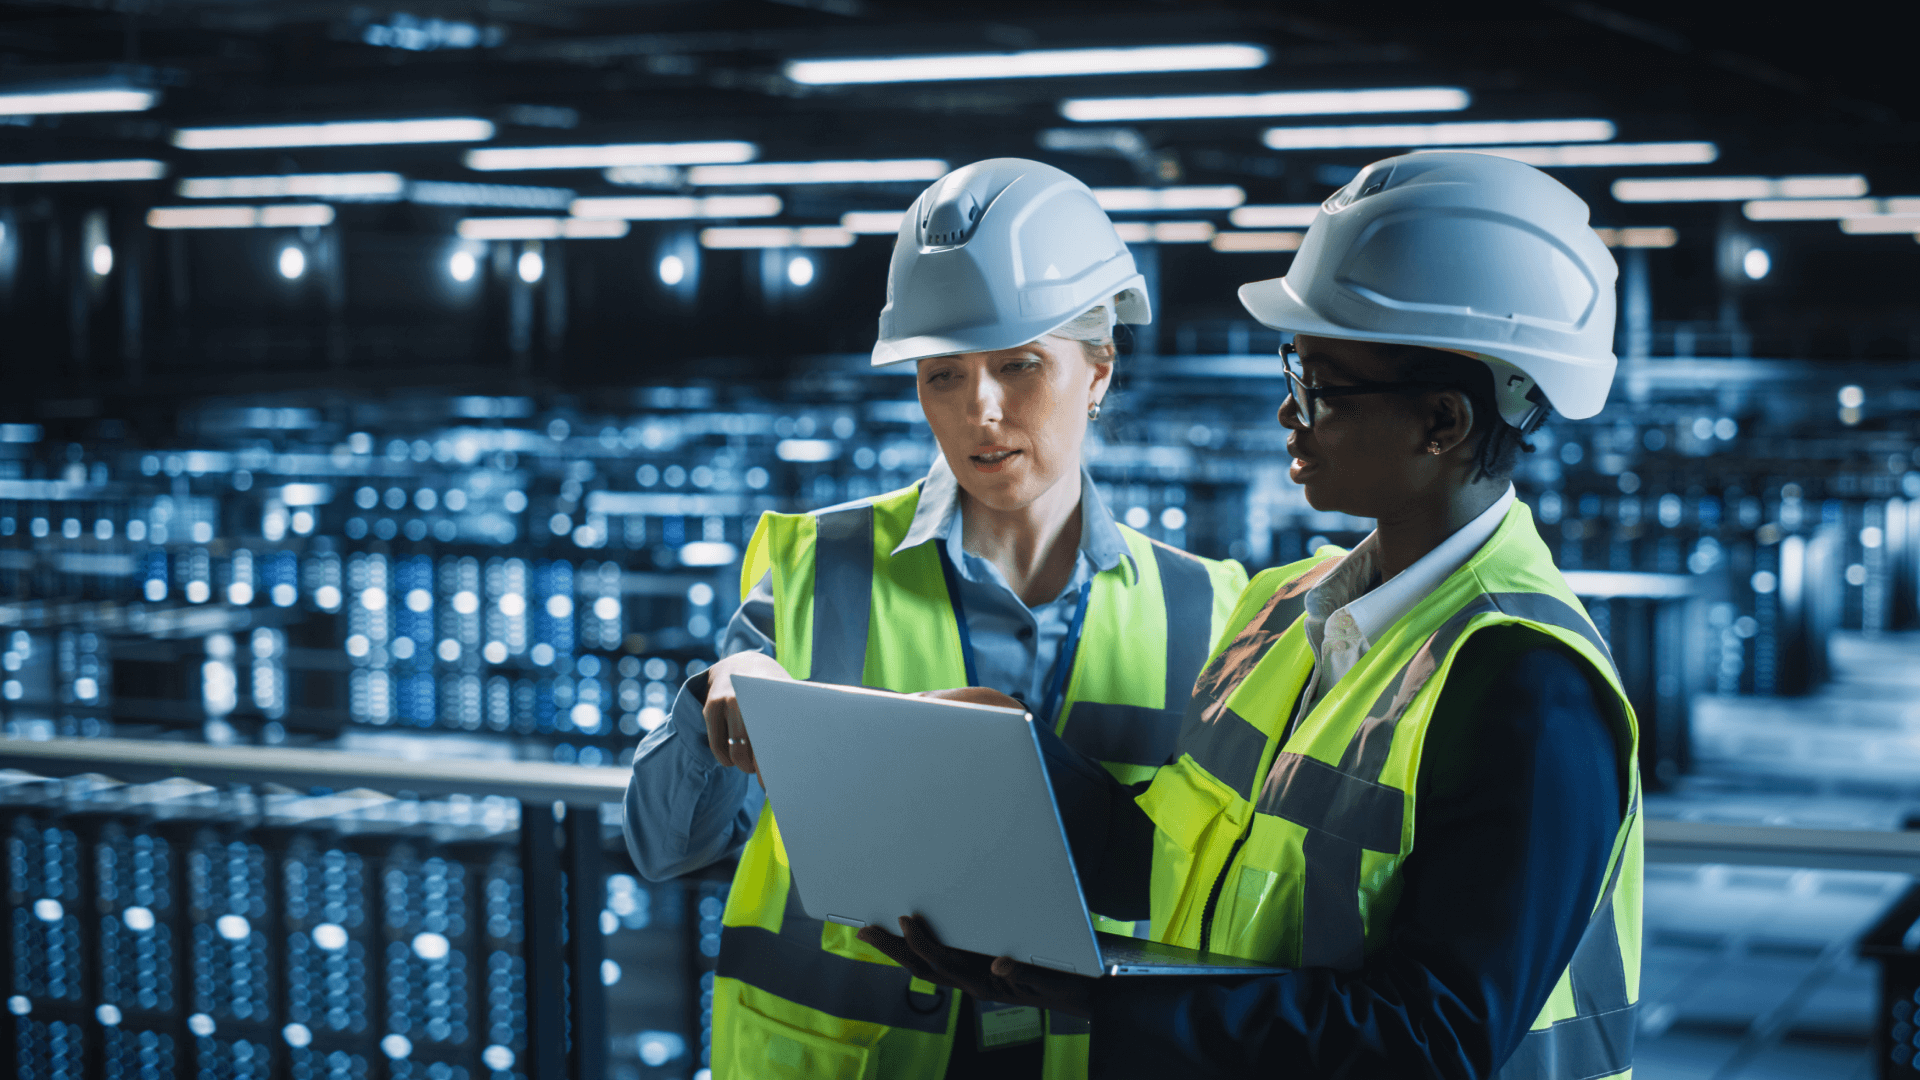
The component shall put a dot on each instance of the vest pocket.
(1193, 831)
(766, 1048)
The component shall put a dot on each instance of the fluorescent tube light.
(341, 133)
(498, 158)
(1463, 133)
(1291, 103)
(541, 228)
(68, 172)
(287, 216)
(1220, 197)
(1298, 215)
(1739, 188)
(1164, 232)
(1033, 64)
(821, 236)
(1825, 209)
(96, 100)
(873, 222)
(817, 172)
(504, 196)
(1258, 241)
(1658, 236)
(354, 186)
(1881, 224)
(1604, 154)
(677, 207)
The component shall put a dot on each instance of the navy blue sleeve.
(1521, 796)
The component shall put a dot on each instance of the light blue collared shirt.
(684, 810)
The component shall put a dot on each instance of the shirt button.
(1025, 633)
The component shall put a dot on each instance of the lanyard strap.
(1062, 661)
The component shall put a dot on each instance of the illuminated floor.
(1751, 973)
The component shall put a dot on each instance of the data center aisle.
(1750, 972)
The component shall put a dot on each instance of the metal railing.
(561, 941)
(538, 785)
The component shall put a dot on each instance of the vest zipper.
(1213, 898)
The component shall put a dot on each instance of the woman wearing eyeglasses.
(1408, 772)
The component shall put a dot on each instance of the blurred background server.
(391, 389)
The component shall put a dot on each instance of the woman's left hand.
(985, 978)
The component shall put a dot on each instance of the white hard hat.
(1464, 252)
(999, 253)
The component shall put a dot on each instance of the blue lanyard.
(1062, 663)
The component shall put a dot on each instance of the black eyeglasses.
(1307, 399)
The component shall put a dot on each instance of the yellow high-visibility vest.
(1288, 846)
(797, 997)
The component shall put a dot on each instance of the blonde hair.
(1093, 329)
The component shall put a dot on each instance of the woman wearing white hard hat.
(1440, 830)
(1001, 569)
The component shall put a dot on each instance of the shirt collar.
(939, 509)
(1373, 611)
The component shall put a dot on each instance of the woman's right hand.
(726, 729)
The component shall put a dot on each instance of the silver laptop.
(893, 805)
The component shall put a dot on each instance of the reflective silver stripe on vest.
(1136, 734)
(1366, 755)
(1220, 740)
(792, 964)
(1598, 1041)
(1345, 809)
(1315, 795)
(809, 976)
(842, 595)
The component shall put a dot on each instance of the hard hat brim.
(1130, 306)
(1568, 381)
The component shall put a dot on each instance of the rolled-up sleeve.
(685, 810)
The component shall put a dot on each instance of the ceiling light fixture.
(1237, 242)
(1826, 209)
(1287, 103)
(1881, 224)
(1603, 154)
(286, 216)
(541, 228)
(70, 172)
(1298, 215)
(1463, 133)
(1164, 232)
(501, 158)
(1739, 188)
(821, 236)
(504, 196)
(370, 187)
(818, 172)
(340, 133)
(677, 208)
(1653, 236)
(76, 100)
(1121, 200)
(873, 222)
(1032, 64)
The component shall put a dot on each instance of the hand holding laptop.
(985, 978)
(726, 727)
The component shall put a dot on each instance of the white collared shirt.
(1346, 612)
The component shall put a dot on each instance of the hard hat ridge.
(998, 253)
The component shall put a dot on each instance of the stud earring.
(1433, 447)
(1093, 411)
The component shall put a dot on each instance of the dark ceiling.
(1779, 95)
